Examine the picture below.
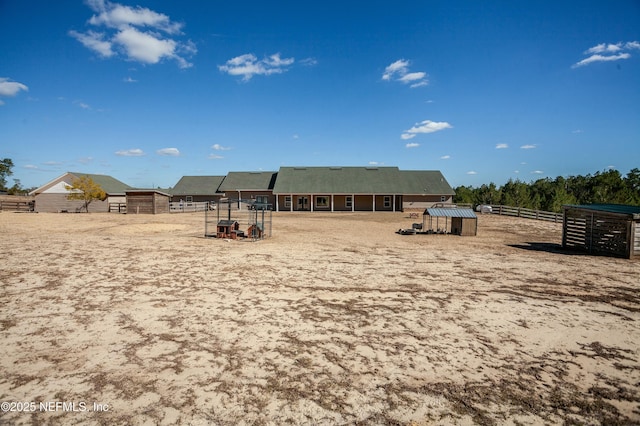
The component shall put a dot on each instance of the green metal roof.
(359, 180)
(336, 180)
(248, 181)
(609, 208)
(108, 184)
(425, 182)
(197, 185)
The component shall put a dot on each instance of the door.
(303, 203)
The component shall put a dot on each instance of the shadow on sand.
(548, 248)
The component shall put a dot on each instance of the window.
(262, 199)
(322, 201)
(387, 201)
(189, 199)
(348, 202)
(287, 201)
(443, 199)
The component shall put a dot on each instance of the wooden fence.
(527, 213)
(17, 206)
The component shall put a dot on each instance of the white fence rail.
(184, 207)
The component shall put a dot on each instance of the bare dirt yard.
(125, 319)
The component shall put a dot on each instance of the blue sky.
(149, 91)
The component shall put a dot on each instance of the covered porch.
(338, 202)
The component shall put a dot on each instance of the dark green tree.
(5, 171)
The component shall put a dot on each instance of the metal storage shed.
(464, 221)
(608, 229)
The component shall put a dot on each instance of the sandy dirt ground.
(336, 319)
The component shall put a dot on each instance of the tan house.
(358, 189)
(52, 196)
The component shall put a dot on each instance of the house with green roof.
(253, 186)
(52, 196)
(358, 189)
(197, 189)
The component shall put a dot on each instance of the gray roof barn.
(248, 181)
(197, 186)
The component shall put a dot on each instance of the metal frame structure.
(257, 217)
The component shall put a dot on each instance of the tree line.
(607, 187)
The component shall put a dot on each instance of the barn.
(52, 196)
(147, 201)
(450, 219)
(604, 229)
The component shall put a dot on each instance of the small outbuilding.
(451, 219)
(147, 201)
(605, 229)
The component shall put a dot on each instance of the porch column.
(311, 201)
(277, 203)
(353, 203)
(394, 203)
(291, 203)
(374, 202)
(331, 203)
(239, 198)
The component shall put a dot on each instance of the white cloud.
(173, 152)
(309, 62)
(602, 47)
(537, 172)
(399, 71)
(601, 58)
(114, 15)
(136, 33)
(398, 67)
(248, 65)
(412, 145)
(412, 76)
(129, 80)
(445, 157)
(219, 147)
(502, 146)
(94, 41)
(604, 52)
(136, 152)
(472, 172)
(10, 88)
(215, 157)
(426, 126)
(144, 47)
(528, 147)
(31, 167)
